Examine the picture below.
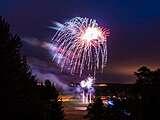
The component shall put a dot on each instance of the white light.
(83, 84)
(110, 102)
(91, 34)
(87, 83)
(87, 95)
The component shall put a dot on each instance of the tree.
(156, 78)
(144, 76)
(19, 89)
(148, 84)
(147, 77)
(113, 109)
(96, 110)
(18, 84)
(53, 107)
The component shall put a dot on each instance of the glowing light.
(110, 102)
(87, 90)
(83, 84)
(101, 85)
(82, 44)
(91, 34)
(87, 83)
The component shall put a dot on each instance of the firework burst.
(81, 46)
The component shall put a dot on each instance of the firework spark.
(82, 45)
(87, 90)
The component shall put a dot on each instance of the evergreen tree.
(21, 96)
(53, 109)
(17, 82)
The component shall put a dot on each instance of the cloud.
(49, 46)
(116, 71)
(130, 68)
(53, 50)
(35, 42)
(52, 77)
(32, 41)
(44, 71)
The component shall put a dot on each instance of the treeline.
(141, 102)
(22, 98)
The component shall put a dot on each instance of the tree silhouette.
(114, 109)
(147, 77)
(96, 110)
(19, 89)
(21, 96)
(156, 78)
(144, 76)
(148, 84)
(53, 109)
(15, 75)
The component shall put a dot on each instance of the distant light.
(110, 102)
(80, 108)
(126, 113)
(114, 96)
(102, 85)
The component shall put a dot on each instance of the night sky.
(134, 27)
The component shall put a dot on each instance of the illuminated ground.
(73, 108)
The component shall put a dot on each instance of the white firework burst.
(81, 45)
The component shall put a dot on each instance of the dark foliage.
(140, 102)
(148, 86)
(20, 94)
(53, 106)
(115, 111)
(16, 78)
(97, 110)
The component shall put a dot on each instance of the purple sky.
(134, 40)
